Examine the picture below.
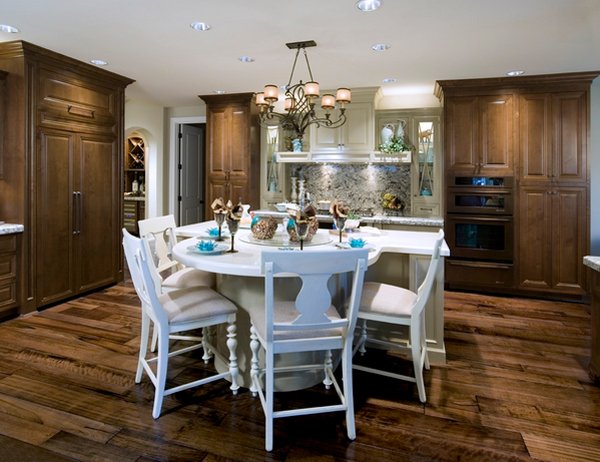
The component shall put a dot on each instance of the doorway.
(191, 174)
(186, 165)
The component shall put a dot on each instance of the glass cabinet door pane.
(272, 167)
(426, 157)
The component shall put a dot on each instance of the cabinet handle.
(78, 212)
(75, 213)
(80, 111)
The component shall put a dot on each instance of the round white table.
(239, 274)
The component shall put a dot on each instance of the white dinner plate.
(219, 248)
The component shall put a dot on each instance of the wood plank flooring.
(515, 388)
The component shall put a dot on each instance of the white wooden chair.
(310, 323)
(158, 235)
(171, 312)
(390, 304)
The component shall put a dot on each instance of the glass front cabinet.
(421, 131)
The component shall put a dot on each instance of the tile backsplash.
(360, 186)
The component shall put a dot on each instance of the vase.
(387, 132)
(400, 129)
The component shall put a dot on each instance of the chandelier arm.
(294, 67)
(308, 64)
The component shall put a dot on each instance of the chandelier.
(300, 100)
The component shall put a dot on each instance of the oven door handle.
(474, 217)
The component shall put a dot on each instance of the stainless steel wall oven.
(480, 231)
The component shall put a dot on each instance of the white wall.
(594, 155)
(148, 118)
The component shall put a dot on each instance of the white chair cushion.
(188, 277)
(286, 312)
(195, 303)
(386, 299)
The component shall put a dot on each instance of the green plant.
(395, 145)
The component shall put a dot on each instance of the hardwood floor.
(515, 388)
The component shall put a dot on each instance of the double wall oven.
(479, 231)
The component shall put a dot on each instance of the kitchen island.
(395, 257)
(594, 264)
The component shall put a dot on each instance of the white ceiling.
(152, 42)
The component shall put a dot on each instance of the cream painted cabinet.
(355, 137)
(421, 129)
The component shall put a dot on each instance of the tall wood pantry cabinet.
(232, 150)
(62, 171)
(536, 130)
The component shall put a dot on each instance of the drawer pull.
(80, 111)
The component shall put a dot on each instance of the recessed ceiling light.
(8, 29)
(390, 80)
(246, 59)
(515, 73)
(201, 26)
(380, 47)
(98, 62)
(219, 92)
(368, 5)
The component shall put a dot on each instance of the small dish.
(217, 249)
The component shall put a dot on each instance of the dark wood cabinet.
(64, 175)
(536, 128)
(232, 150)
(479, 134)
(553, 137)
(553, 191)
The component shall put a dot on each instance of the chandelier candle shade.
(300, 100)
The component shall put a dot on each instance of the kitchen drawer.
(8, 266)
(426, 210)
(8, 243)
(8, 295)
(476, 274)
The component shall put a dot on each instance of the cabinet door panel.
(55, 221)
(496, 131)
(569, 229)
(99, 188)
(535, 234)
(357, 135)
(461, 133)
(219, 147)
(535, 136)
(569, 115)
(240, 164)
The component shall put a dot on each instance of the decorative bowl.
(263, 227)
(313, 227)
(206, 246)
(352, 223)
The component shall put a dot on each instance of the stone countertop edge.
(377, 219)
(592, 262)
(11, 228)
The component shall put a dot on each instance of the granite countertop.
(592, 262)
(11, 228)
(376, 219)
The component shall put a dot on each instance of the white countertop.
(246, 262)
(11, 228)
(592, 262)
